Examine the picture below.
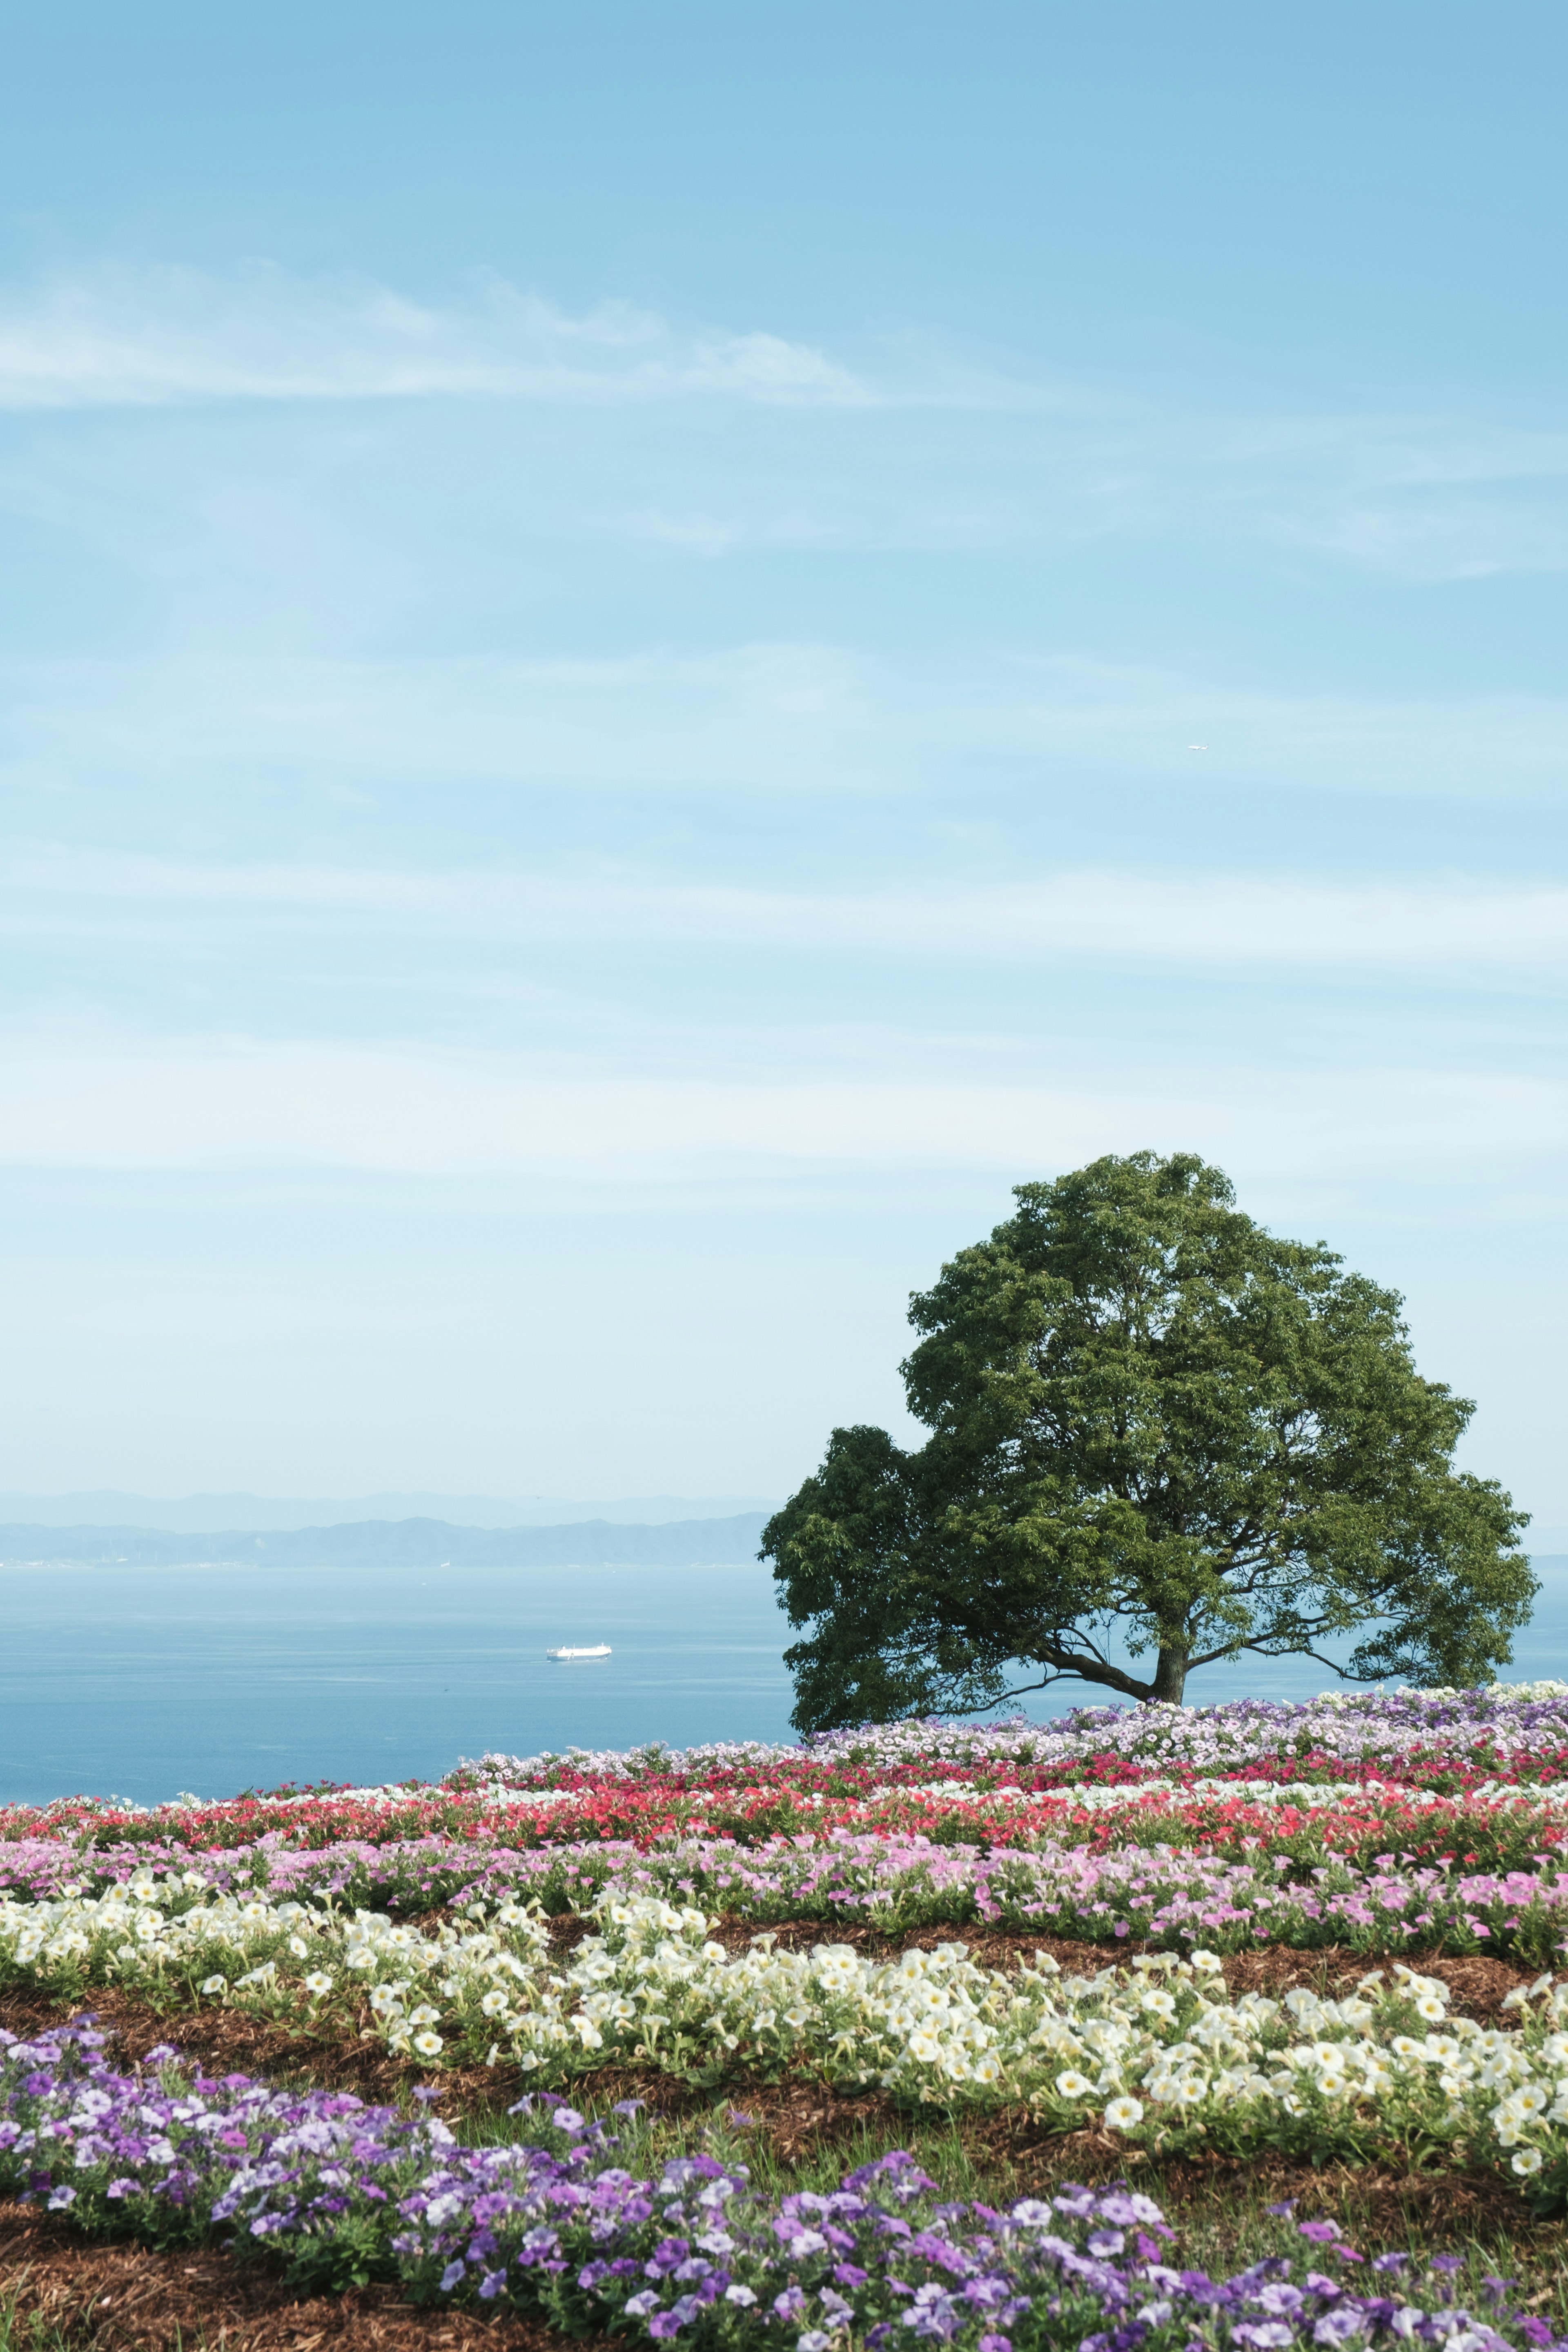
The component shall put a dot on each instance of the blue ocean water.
(142, 1683)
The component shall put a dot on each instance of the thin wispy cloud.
(598, 738)
(162, 337)
(1098, 915)
(238, 1103)
(1416, 499)
(1068, 455)
(796, 720)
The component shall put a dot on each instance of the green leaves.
(1159, 1429)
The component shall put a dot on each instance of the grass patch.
(24, 2330)
(795, 2132)
(798, 2138)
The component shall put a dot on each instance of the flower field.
(1049, 1932)
(689, 2244)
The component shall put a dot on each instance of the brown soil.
(129, 2299)
(1476, 1984)
(226, 2042)
(229, 2042)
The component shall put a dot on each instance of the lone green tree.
(1154, 1429)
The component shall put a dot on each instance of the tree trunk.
(1170, 1677)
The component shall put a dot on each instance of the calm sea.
(142, 1683)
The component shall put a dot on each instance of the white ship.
(599, 1649)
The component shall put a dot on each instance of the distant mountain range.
(109, 1509)
(425, 1542)
(394, 1543)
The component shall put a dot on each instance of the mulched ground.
(133, 2300)
(230, 2042)
(129, 2299)
(1475, 1985)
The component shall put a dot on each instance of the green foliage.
(1154, 1425)
(349, 2251)
(29, 2331)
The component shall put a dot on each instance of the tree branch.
(1022, 1692)
(1069, 1665)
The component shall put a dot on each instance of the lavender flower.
(345, 2191)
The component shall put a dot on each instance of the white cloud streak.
(240, 1105)
(1096, 914)
(155, 338)
(793, 719)
(1427, 495)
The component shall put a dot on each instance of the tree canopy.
(1158, 1431)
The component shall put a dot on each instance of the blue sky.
(646, 652)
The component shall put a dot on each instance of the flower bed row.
(949, 1779)
(957, 1809)
(1158, 2053)
(346, 2192)
(1124, 1894)
(1494, 1829)
(1526, 1722)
